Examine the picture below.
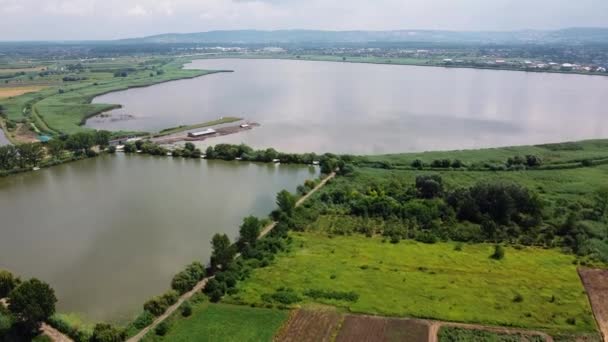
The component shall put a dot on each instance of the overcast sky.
(109, 19)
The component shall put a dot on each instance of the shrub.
(7, 283)
(282, 295)
(161, 329)
(499, 253)
(350, 296)
(518, 298)
(186, 309)
(143, 320)
(107, 333)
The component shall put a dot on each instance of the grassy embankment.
(63, 107)
(173, 130)
(221, 322)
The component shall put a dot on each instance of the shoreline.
(320, 59)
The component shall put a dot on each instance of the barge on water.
(199, 134)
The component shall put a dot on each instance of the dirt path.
(54, 334)
(201, 285)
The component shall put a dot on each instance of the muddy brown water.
(110, 232)
(306, 106)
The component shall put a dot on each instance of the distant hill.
(564, 36)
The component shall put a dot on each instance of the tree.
(249, 230)
(32, 302)
(56, 147)
(7, 283)
(107, 333)
(223, 252)
(30, 154)
(429, 186)
(8, 157)
(417, 164)
(102, 138)
(189, 146)
(286, 202)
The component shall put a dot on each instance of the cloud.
(91, 19)
(137, 11)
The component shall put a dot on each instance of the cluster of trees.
(488, 211)
(30, 303)
(32, 154)
(529, 160)
(427, 211)
(439, 164)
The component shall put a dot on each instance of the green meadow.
(530, 288)
(222, 323)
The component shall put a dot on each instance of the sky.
(112, 19)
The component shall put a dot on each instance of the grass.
(431, 281)
(223, 323)
(452, 334)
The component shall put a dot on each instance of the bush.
(350, 296)
(186, 309)
(143, 320)
(7, 283)
(282, 295)
(74, 332)
(499, 253)
(518, 298)
(161, 329)
(107, 333)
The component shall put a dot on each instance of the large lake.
(109, 232)
(362, 108)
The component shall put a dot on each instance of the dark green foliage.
(31, 303)
(518, 298)
(143, 320)
(286, 202)
(249, 230)
(186, 309)
(499, 253)
(7, 283)
(107, 333)
(158, 305)
(185, 280)
(429, 186)
(417, 164)
(350, 296)
(282, 295)
(161, 329)
(223, 251)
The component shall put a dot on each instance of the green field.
(432, 281)
(221, 323)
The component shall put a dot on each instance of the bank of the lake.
(155, 215)
(354, 108)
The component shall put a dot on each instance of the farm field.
(220, 322)
(530, 288)
(381, 329)
(6, 92)
(596, 284)
(310, 325)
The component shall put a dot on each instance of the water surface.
(110, 232)
(362, 108)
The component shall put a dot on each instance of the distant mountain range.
(563, 36)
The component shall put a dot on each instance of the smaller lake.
(110, 232)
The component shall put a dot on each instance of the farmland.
(219, 322)
(58, 100)
(432, 281)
